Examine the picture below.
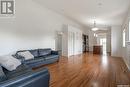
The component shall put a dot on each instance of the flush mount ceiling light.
(95, 28)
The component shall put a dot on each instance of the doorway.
(59, 43)
(103, 42)
(85, 43)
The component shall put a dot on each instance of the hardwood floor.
(88, 70)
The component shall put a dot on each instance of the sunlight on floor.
(104, 61)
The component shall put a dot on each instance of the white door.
(71, 43)
(59, 44)
(78, 43)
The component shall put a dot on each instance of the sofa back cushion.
(2, 75)
(34, 52)
(44, 52)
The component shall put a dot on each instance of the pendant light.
(95, 28)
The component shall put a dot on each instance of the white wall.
(124, 49)
(33, 27)
(116, 41)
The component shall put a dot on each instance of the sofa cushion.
(51, 56)
(22, 69)
(34, 53)
(43, 52)
(2, 75)
(38, 59)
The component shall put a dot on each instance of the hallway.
(88, 70)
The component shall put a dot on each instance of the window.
(124, 33)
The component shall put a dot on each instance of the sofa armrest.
(55, 52)
(38, 78)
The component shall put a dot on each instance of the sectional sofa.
(24, 76)
(41, 57)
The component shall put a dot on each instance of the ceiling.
(105, 12)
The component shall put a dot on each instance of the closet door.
(78, 42)
(76, 46)
(70, 43)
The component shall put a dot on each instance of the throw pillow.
(26, 54)
(9, 62)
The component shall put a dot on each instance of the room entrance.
(103, 42)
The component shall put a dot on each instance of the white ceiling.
(105, 12)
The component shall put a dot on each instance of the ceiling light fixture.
(95, 28)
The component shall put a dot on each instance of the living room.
(61, 43)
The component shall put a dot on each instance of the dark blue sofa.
(41, 57)
(24, 76)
